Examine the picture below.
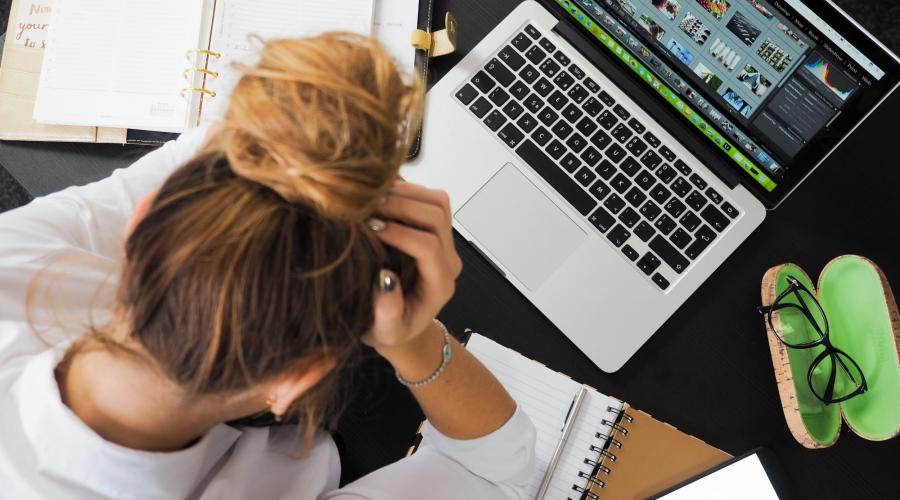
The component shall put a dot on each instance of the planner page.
(546, 397)
(395, 20)
(118, 64)
(242, 25)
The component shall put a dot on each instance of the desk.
(707, 371)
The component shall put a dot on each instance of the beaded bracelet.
(446, 354)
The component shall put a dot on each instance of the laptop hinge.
(646, 99)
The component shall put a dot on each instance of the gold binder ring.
(210, 53)
(209, 72)
(185, 92)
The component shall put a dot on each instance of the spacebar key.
(669, 254)
(556, 177)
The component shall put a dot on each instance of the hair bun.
(325, 121)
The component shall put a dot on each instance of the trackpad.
(521, 227)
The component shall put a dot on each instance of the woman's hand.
(420, 227)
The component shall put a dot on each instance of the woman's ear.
(294, 384)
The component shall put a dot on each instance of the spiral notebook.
(612, 450)
(165, 65)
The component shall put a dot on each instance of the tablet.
(755, 475)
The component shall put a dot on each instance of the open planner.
(612, 450)
(166, 65)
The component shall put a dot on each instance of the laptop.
(606, 156)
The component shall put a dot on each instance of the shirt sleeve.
(500, 465)
(80, 231)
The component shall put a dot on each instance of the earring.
(271, 402)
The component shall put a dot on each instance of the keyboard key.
(543, 87)
(586, 126)
(651, 211)
(605, 169)
(547, 116)
(601, 140)
(535, 55)
(630, 253)
(645, 180)
(521, 42)
(549, 68)
(681, 187)
(557, 100)
(511, 135)
(660, 281)
(556, 149)
(644, 231)
(622, 133)
(561, 129)
(481, 107)
(602, 220)
(635, 196)
(637, 147)
(495, 120)
(690, 221)
(698, 181)
(714, 196)
(498, 96)
(680, 238)
(572, 113)
(630, 166)
(558, 179)
(618, 236)
(532, 32)
(576, 72)
(562, 58)
(570, 162)
(533, 103)
(704, 237)
(729, 210)
(599, 189)
(527, 123)
(621, 183)
(591, 85)
(547, 45)
(666, 174)
(564, 80)
(660, 194)
(614, 203)
(675, 207)
(695, 200)
(651, 160)
(576, 143)
(615, 153)
(715, 218)
(466, 94)
(591, 156)
(519, 90)
(665, 224)
(511, 58)
(541, 136)
(668, 154)
(578, 93)
(629, 217)
(652, 140)
(592, 106)
(513, 109)
(637, 126)
(483, 82)
(585, 176)
(648, 263)
(682, 167)
(621, 112)
(529, 74)
(669, 254)
(607, 120)
(607, 99)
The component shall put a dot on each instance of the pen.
(566, 430)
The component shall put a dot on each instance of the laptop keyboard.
(646, 201)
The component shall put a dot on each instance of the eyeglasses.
(800, 323)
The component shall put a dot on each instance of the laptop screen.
(772, 85)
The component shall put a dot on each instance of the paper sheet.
(32, 23)
(395, 21)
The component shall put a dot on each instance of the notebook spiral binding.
(604, 451)
(206, 73)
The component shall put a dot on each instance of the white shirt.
(46, 451)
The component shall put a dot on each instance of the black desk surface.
(707, 371)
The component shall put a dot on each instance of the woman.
(251, 276)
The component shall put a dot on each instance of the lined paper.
(546, 395)
(395, 20)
